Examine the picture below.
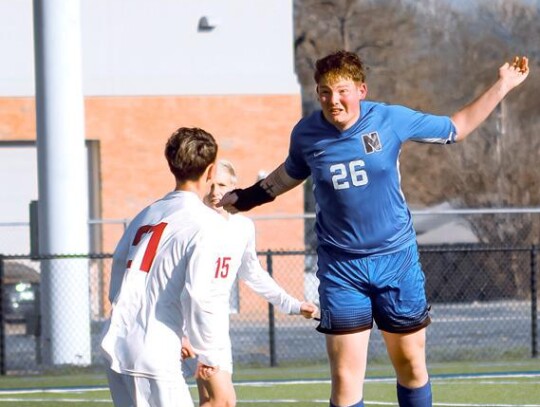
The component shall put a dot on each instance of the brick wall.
(253, 132)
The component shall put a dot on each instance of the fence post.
(34, 229)
(271, 319)
(534, 302)
(2, 325)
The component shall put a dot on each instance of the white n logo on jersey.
(372, 142)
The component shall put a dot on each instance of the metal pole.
(62, 181)
(534, 302)
(271, 317)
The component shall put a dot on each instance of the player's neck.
(197, 187)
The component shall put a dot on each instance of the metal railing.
(484, 301)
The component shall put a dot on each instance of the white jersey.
(162, 270)
(244, 264)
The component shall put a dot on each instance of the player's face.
(340, 101)
(220, 184)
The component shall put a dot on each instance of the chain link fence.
(483, 295)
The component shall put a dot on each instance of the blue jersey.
(360, 207)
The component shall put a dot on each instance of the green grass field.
(505, 384)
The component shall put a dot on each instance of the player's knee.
(412, 374)
(223, 402)
(345, 378)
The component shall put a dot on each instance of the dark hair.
(340, 64)
(189, 151)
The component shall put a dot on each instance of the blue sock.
(359, 404)
(419, 397)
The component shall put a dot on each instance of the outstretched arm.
(277, 183)
(472, 115)
(260, 281)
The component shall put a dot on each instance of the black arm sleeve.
(251, 197)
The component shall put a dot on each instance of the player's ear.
(362, 90)
(210, 171)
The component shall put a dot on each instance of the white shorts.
(136, 391)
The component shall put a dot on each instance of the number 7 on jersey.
(148, 245)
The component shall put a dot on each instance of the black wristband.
(251, 197)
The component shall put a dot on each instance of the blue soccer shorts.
(355, 290)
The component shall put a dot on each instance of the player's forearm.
(261, 192)
(207, 332)
(471, 116)
(279, 182)
(264, 285)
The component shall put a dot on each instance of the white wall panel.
(154, 47)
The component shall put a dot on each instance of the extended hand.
(308, 310)
(187, 351)
(205, 372)
(228, 201)
(241, 200)
(515, 72)
(522, 64)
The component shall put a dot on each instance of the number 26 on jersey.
(344, 175)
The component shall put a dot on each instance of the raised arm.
(472, 115)
(264, 191)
